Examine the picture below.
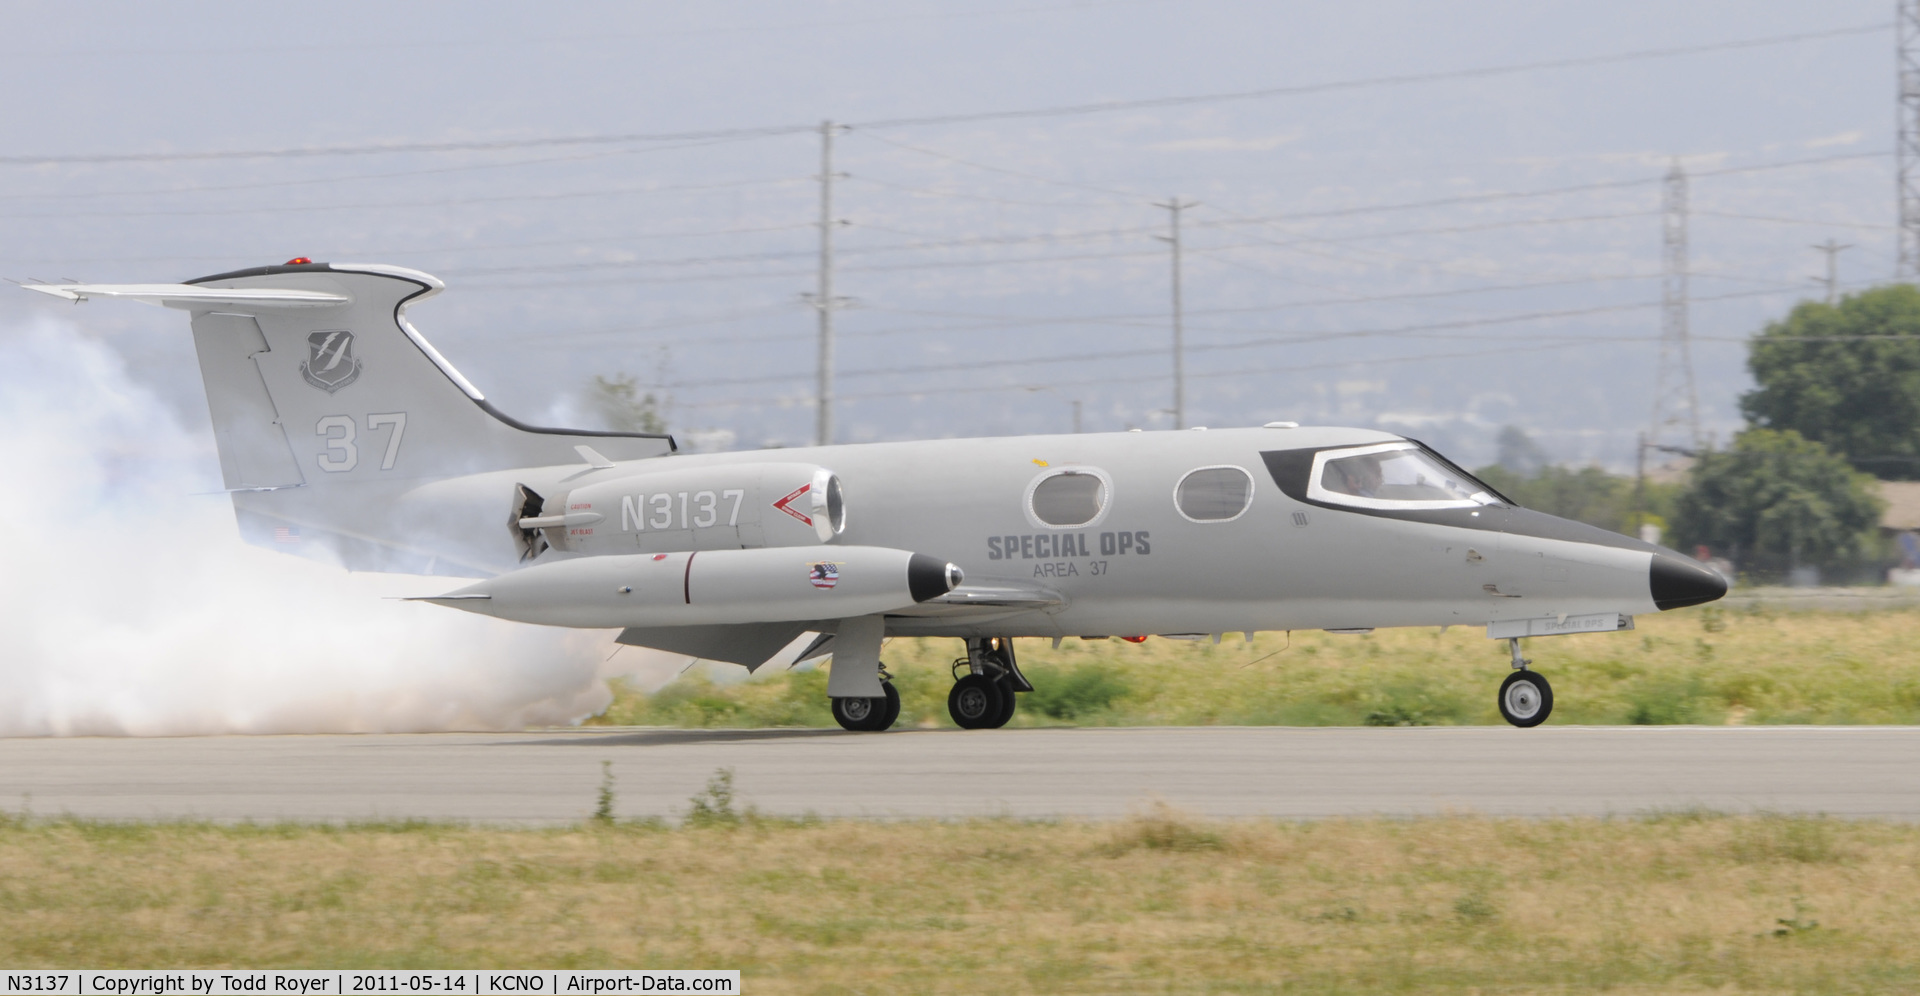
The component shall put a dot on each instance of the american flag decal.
(286, 534)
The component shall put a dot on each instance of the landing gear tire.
(868, 715)
(1008, 702)
(1526, 699)
(976, 703)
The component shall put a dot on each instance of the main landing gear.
(869, 715)
(1525, 697)
(983, 698)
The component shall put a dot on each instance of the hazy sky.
(1353, 259)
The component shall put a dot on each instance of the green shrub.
(1076, 692)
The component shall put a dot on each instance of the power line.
(776, 255)
(1299, 244)
(415, 44)
(955, 195)
(763, 402)
(323, 151)
(986, 321)
(1417, 331)
(1442, 230)
(1068, 110)
(228, 188)
(1311, 303)
(1485, 72)
(438, 250)
(1506, 195)
(430, 172)
(691, 321)
(397, 205)
(1130, 195)
(800, 253)
(1775, 219)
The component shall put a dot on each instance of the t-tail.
(331, 413)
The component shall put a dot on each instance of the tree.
(1846, 376)
(1775, 501)
(622, 407)
(1518, 452)
(1523, 473)
(1588, 494)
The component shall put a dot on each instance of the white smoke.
(129, 606)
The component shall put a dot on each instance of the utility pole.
(1640, 487)
(1076, 416)
(824, 301)
(1907, 145)
(1174, 206)
(1833, 251)
(1675, 403)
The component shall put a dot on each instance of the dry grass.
(1703, 665)
(1685, 902)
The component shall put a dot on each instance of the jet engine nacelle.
(784, 584)
(721, 507)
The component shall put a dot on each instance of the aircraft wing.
(190, 296)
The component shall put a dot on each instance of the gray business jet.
(345, 435)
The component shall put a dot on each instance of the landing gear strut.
(1525, 697)
(983, 698)
(869, 715)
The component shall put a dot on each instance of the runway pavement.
(552, 776)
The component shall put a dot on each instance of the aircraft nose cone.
(1677, 582)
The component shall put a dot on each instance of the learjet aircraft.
(344, 435)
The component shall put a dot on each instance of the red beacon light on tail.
(297, 261)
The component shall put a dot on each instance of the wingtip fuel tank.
(776, 584)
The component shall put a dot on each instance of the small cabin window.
(1214, 494)
(1068, 498)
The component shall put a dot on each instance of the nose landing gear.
(1526, 700)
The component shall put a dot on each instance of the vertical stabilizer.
(360, 395)
(328, 407)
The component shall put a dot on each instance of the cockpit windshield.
(1393, 475)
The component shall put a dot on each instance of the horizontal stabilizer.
(189, 296)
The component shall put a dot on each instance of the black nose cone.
(1677, 582)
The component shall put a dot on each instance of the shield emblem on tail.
(330, 364)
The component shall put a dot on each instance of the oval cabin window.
(1214, 494)
(1069, 498)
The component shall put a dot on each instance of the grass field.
(1684, 902)
(1711, 664)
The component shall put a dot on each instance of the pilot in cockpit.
(1357, 475)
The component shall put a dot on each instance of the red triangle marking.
(785, 505)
